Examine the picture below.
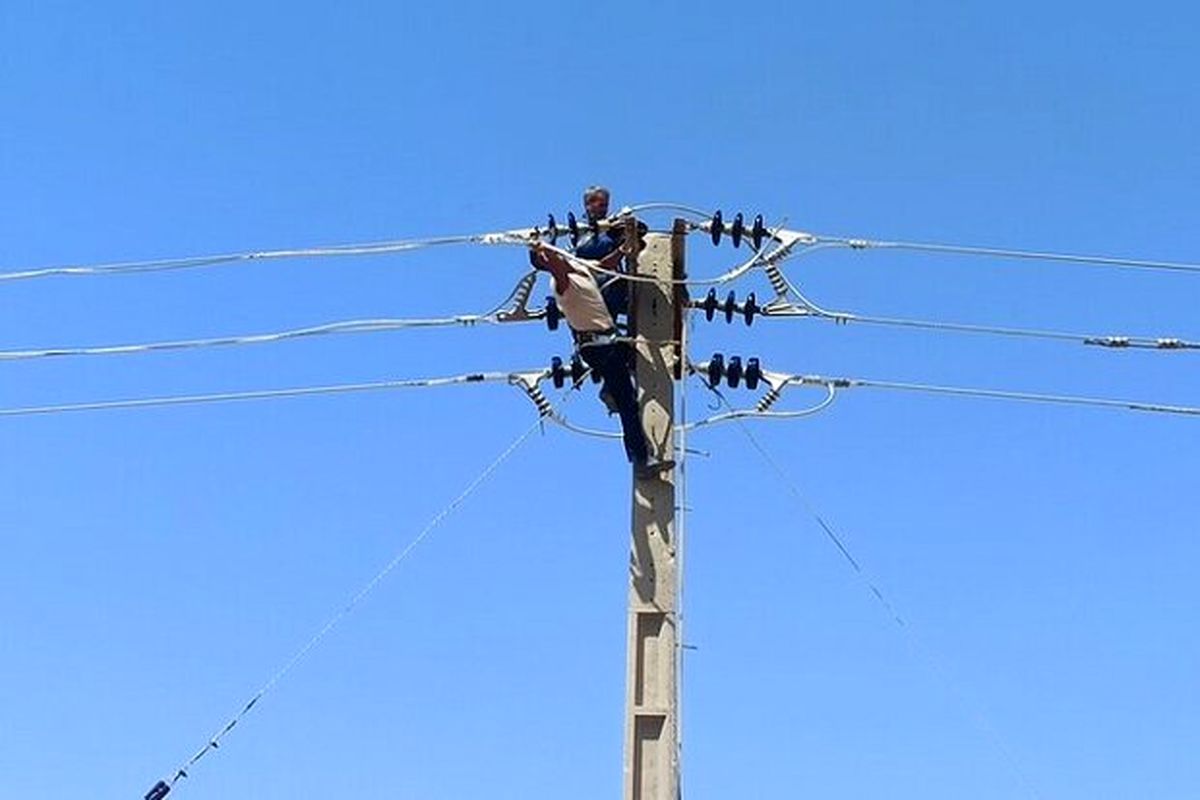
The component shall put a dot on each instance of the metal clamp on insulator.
(553, 314)
(158, 791)
(769, 399)
(528, 382)
(517, 305)
(778, 282)
(716, 369)
(733, 372)
(717, 227)
(738, 229)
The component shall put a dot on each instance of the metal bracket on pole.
(516, 306)
(530, 384)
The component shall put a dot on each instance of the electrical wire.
(658, 206)
(807, 308)
(996, 394)
(214, 741)
(193, 262)
(1110, 342)
(999, 252)
(736, 415)
(266, 394)
(681, 534)
(973, 708)
(330, 329)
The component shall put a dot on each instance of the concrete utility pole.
(652, 689)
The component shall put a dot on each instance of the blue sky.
(156, 566)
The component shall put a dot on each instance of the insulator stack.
(730, 307)
(737, 229)
(734, 372)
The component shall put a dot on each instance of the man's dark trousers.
(611, 362)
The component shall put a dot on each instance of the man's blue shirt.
(595, 246)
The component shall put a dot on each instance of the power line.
(1000, 252)
(330, 329)
(782, 308)
(194, 262)
(265, 394)
(514, 309)
(995, 394)
(1114, 342)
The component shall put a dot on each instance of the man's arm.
(548, 260)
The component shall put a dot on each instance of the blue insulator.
(573, 228)
(750, 308)
(739, 228)
(158, 791)
(758, 232)
(710, 304)
(718, 227)
(730, 306)
(553, 313)
(733, 373)
(753, 373)
(557, 374)
(552, 230)
(716, 369)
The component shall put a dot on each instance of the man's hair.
(596, 189)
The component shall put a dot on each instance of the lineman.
(593, 323)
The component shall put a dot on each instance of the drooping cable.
(162, 788)
(973, 708)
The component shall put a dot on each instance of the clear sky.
(156, 566)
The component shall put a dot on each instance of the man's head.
(595, 202)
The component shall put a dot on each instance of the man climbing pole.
(592, 316)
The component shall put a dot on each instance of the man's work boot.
(653, 469)
(609, 401)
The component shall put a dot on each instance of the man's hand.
(537, 256)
